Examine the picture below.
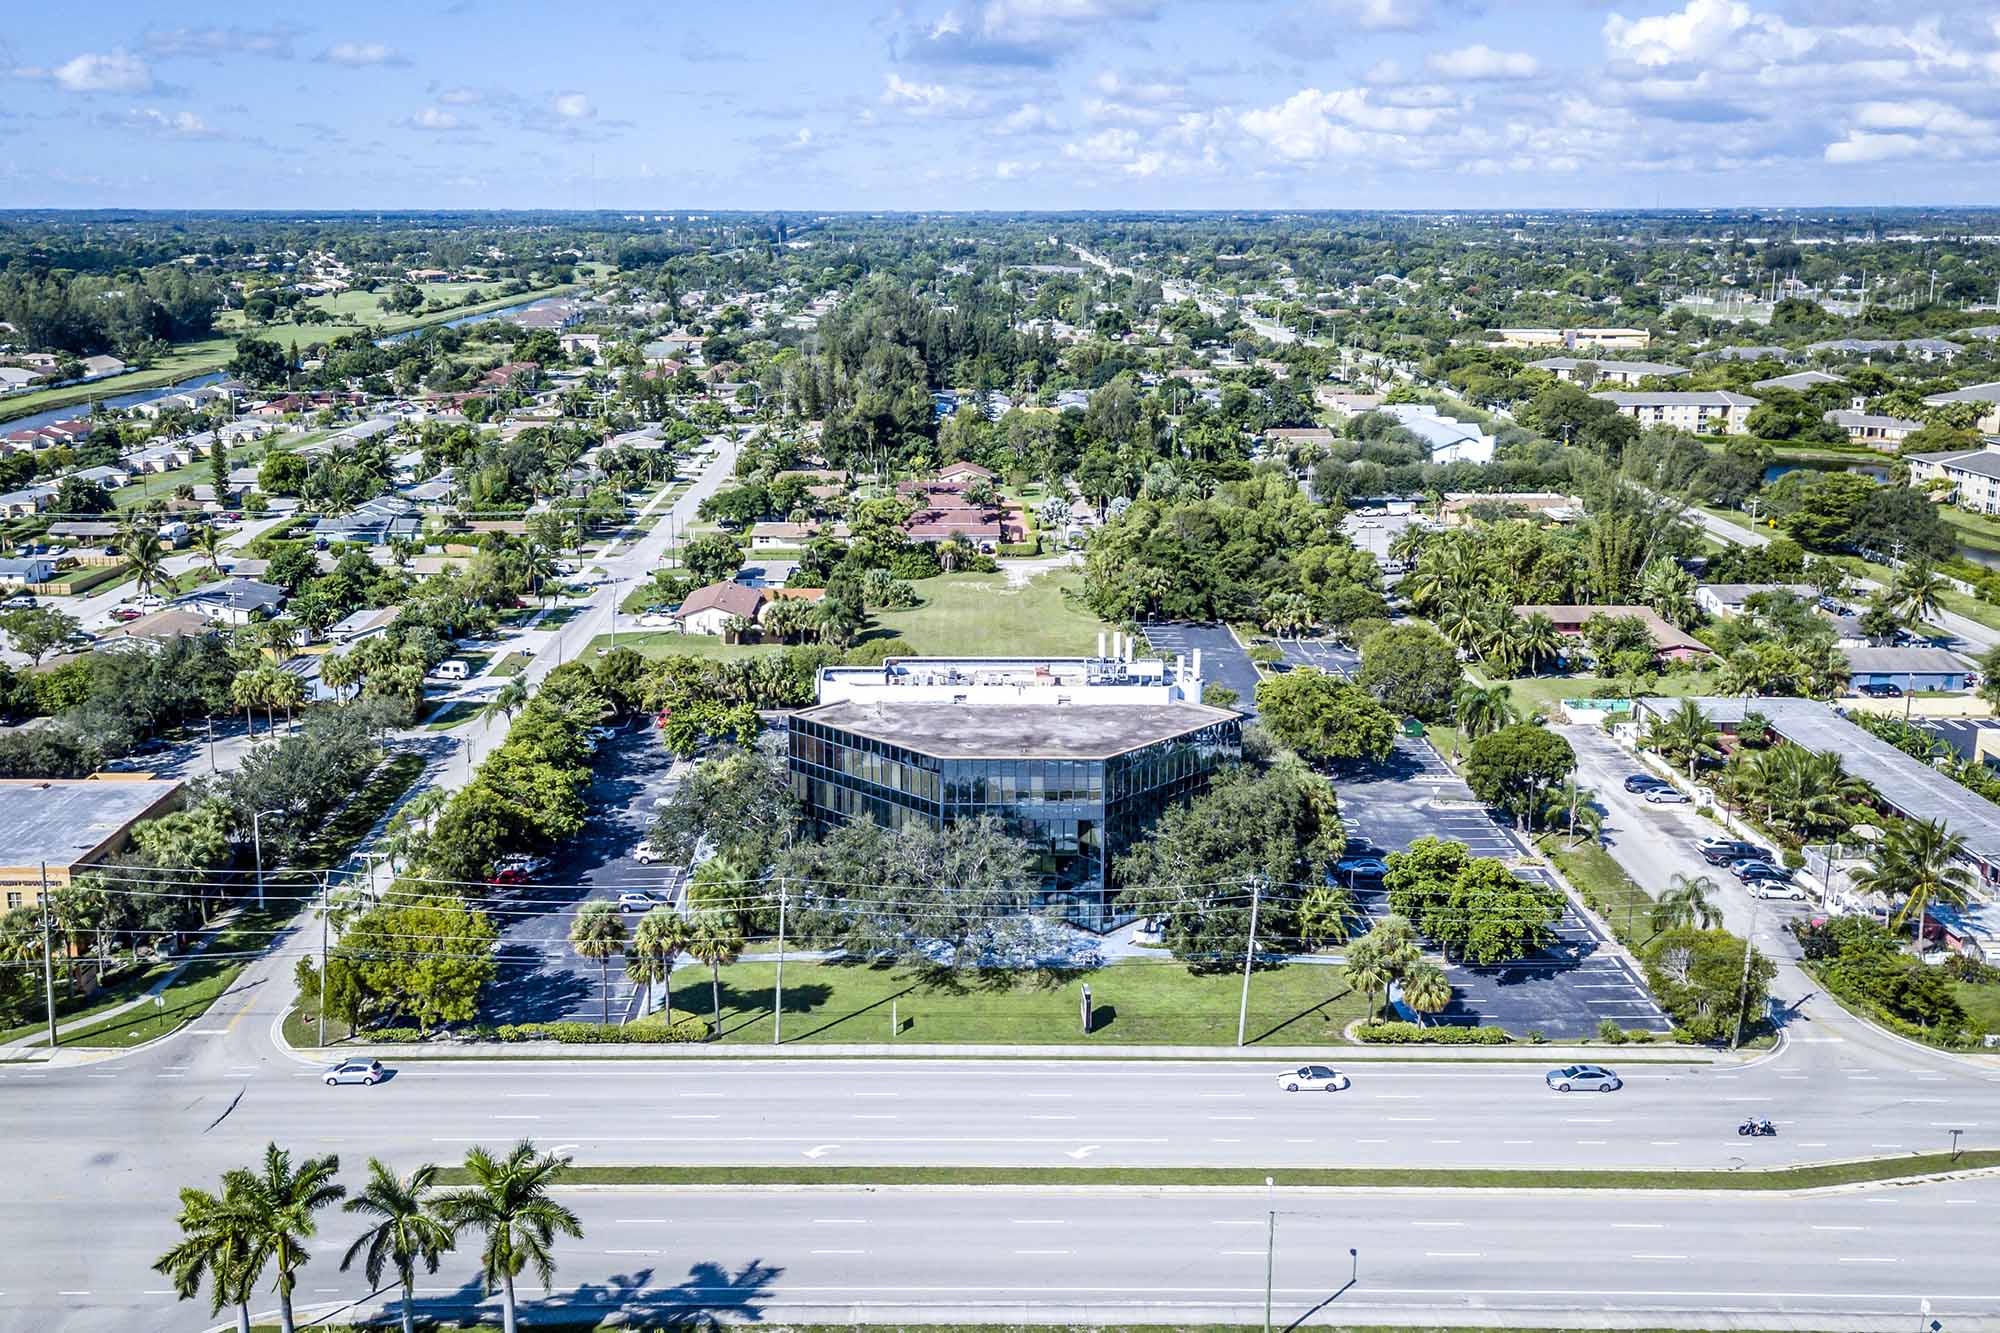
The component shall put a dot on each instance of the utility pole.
(323, 905)
(1270, 1245)
(1743, 986)
(48, 957)
(778, 999)
(1249, 953)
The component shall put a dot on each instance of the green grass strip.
(1819, 1176)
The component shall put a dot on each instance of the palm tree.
(1380, 957)
(1426, 990)
(339, 671)
(246, 691)
(715, 938)
(143, 552)
(598, 933)
(1685, 736)
(509, 1201)
(218, 1243)
(661, 937)
(1669, 590)
(1915, 591)
(405, 1230)
(280, 1201)
(1481, 712)
(1537, 640)
(208, 545)
(513, 697)
(1918, 863)
(1685, 905)
(1324, 915)
(1286, 613)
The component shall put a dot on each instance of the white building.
(1584, 370)
(1449, 441)
(1986, 396)
(1973, 475)
(1704, 412)
(1873, 429)
(1115, 676)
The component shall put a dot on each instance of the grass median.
(625, 1324)
(1815, 1176)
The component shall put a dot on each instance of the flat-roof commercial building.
(68, 825)
(1076, 755)
(1904, 785)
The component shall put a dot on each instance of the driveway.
(1223, 660)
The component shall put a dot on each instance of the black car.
(1723, 853)
(1639, 782)
(1880, 691)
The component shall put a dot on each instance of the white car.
(644, 853)
(1312, 1078)
(635, 900)
(656, 622)
(1771, 888)
(149, 601)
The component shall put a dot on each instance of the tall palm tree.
(1325, 915)
(246, 691)
(509, 1201)
(661, 937)
(281, 1200)
(1915, 592)
(1669, 590)
(219, 1244)
(598, 933)
(512, 698)
(340, 671)
(1685, 905)
(146, 556)
(715, 938)
(208, 545)
(1426, 990)
(1684, 736)
(1537, 640)
(1918, 863)
(1481, 712)
(404, 1230)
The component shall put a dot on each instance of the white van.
(452, 669)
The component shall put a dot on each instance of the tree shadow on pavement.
(711, 1298)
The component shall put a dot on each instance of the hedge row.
(645, 1031)
(1438, 1036)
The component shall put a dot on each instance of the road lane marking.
(1454, 1254)
(841, 1221)
(1044, 1251)
(836, 1251)
(1838, 1228)
(641, 1221)
(1039, 1221)
(1661, 1258)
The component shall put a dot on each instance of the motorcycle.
(1756, 1127)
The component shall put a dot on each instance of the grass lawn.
(1982, 1003)
(1972, 529)
(455, 714)
(1535, 694)
(1605, 886)
(673, 643)
(184, 362)
(69, 1008)
(513, 664)
(979, 615)
(205, 979)
(1141, 1000)
(558, 616)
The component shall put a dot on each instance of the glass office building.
(1078, 782)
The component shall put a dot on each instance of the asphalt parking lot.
(1562, 992)
(541, 978)
(1333, 658)
(1223, 661)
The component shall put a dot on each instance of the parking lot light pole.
(257, 842)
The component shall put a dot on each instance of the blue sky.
(1002, 104)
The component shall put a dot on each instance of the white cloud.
(172, 124)
(436, 119)
(1007, 170)
(1020, 32)
(1483, 62)
(930, 99)
(460, 96)
(572, 106)
(1861, 148)
(359, 54)
(1028, 118)
(112, 72)
(1379, 15)
(1729, 31)
(1311, 125)
(1927, 116)
(1384, 72)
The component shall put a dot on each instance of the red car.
(509, 875)
(124, 613)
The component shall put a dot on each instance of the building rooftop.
(1678, 398)
(1798, 381)
(1607, 366)
(1921, 661)
(1972, 393)
(1018, 731)
(63, 822)
(1914, 789)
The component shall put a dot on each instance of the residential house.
(33, 569)
(99, 367)
(235, 601)
(366, 623)
(381, 520)
(775, 536)
(1726, 599)
(1343, 403)
(963, 473)
(709, 610)
(20, 504)
(1704, 412)
(1585, 370)
(1673, 644)
(1280, 436)
(1873, 429)
(1799, 381)
(1919, 349)
(110, 478)
(1617, 340)
(1449, 440)
(1752, 354)
(1909, 668)
(154, 630)
(1986, 396)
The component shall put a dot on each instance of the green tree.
(1411, 669)
(714, 939)
(509, 1202)
(281, 1200)
(1426, 990)
(1917, 863)
(597, 933)
(1514, 766)
(1481, 712)
(1326, 916)
(1685, 737)
(1380, 958)
(220, 1245)
(38, 631)
(1324, 717)
(1685, 905)
(404, 1230)
(660, 938)
(1699, 978)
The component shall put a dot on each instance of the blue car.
(1361, 867)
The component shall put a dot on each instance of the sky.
(1001, 104)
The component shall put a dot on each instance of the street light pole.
(778, 997)
(257, 842)
(48, 957)
(323, 904)
(1249, 953)
(1270, 1245)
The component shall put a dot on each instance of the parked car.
(1768, 889)
(1665, 796)
(125, 613)
(525, 864)
(1756, 867)
(365, 1072)
(1639, 782)
(644, 853)
(1584, 1078)
(1722, 851)
(149, 601)
(1880, 691)
(637, 900)
(505, 875)
(1361, 867)
(18, 603)
(1312, 1078)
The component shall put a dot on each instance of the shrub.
(1535, 1037)
(1609, 1032)
(1017, 550)
(687, 1028)
(1439, 1036)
